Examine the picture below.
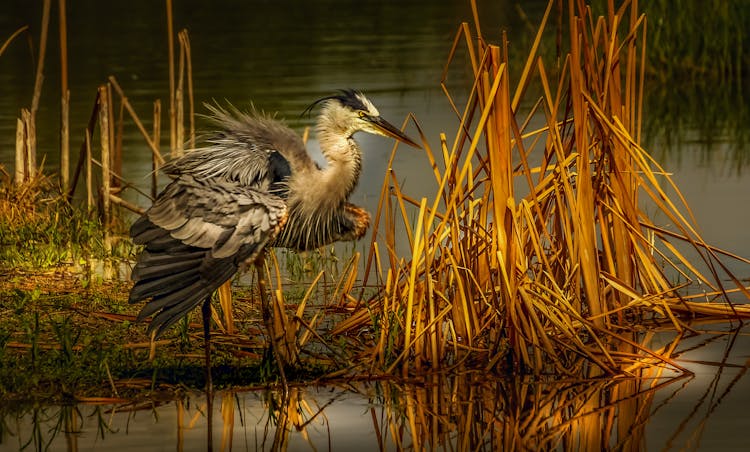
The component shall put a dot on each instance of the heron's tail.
(174, 276)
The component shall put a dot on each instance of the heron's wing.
(247, 147)
(196, 235)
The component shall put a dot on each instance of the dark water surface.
(663, 410)
(283, 55)
(279, 56)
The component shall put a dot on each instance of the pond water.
(663, 410)
(283, 55)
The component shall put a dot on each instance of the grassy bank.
(65, 339)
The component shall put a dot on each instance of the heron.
(252, 186)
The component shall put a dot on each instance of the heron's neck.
(344, 160)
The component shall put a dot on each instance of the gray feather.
(196, 238)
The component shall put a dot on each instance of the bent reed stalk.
(536, 248)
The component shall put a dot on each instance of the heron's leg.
(206, 311)
(266, 312)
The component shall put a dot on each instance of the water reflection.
(712, 118)
(656, 408)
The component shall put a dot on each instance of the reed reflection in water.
(657, 408)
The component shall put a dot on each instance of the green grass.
(48, 350)
(39, 229)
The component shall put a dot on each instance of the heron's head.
(350, 111)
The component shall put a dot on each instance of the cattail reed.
(537, 246)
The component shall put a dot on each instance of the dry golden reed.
(537, 247)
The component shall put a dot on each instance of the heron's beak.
(386, 128)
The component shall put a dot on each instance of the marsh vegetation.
(553, 248)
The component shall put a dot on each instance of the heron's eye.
(362, 114)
